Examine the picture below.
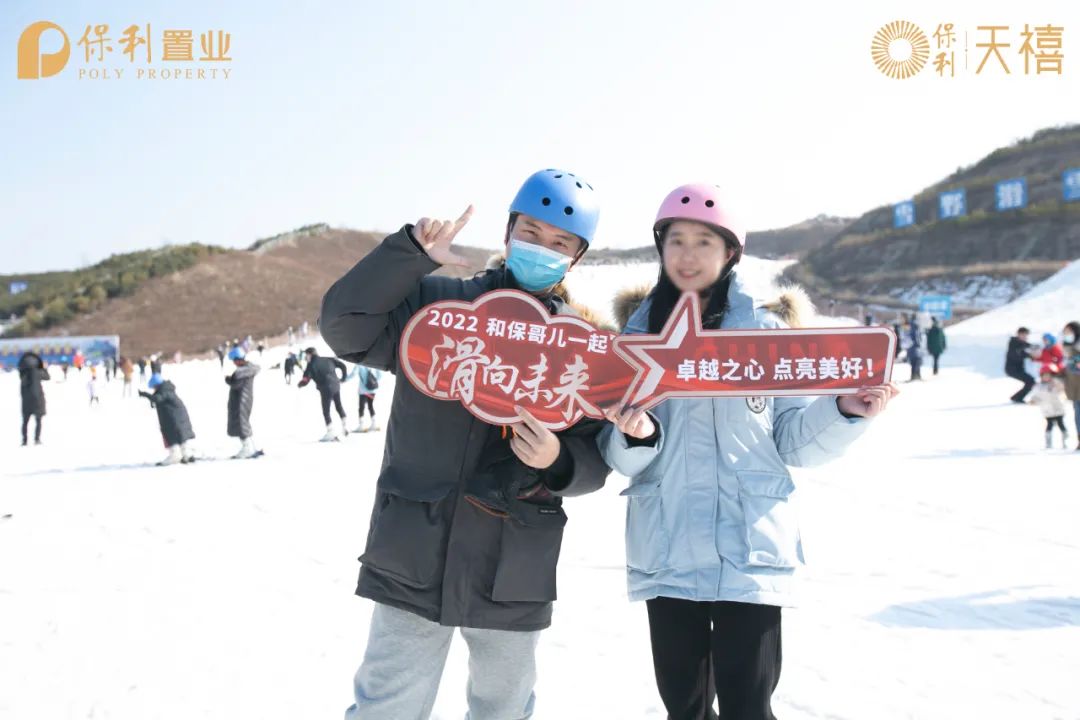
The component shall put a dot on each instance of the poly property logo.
(902, 49)
(135, 52)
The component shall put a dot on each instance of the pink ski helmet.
(699, 202)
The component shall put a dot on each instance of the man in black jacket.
(1015, 357)
(324, 371)
(467, 523)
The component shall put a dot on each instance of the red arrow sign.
(686, 361)
(505, 349)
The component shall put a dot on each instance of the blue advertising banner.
(940, 306)
(1011, 194)
(952, 204)
(904, 214)
(1070, 183)
(59, 350)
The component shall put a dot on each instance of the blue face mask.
(535, 267)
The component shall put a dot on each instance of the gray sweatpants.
(399, 676)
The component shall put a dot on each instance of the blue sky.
(368, 115)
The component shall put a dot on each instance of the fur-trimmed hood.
(498, 261)
(793, 306)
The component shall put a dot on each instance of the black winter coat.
(32, 373)
(324, 371)
(1016, 355)
(172, 414)
(432, 549)
(241, 396)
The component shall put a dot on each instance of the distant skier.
(935, 342)
(368, 384)
(173, 420)
(32, 372)
(290, 366)
(324, 371)
(220, 350)
(914, 352)
(1049, 397)
(127, 369)
(142, 370)
(1015, 356)
(241, 397)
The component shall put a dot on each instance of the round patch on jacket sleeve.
(756, 404)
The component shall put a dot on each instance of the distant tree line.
(54, 298)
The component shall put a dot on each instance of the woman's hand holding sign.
(869, 401)
(436, 237)
(632, 422)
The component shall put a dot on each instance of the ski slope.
(942, 582)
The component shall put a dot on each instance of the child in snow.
(1050, 356)
(712, 542)
(467, 521)
(127, 369)
(172, 419)
(1049, 397)
(368, 384)
(241, 397)
(92, 386)
(290, 366)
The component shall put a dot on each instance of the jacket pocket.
(771, 526)
(528, 558)
(647, 538)
(407, 539)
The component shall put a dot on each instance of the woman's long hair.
(664, 296)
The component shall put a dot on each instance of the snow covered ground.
(943, 559)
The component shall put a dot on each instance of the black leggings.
(1059, 421)
(724, 650)
(26, 426)
(367, 401)
(327, 398)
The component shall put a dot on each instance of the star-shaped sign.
(685, 360)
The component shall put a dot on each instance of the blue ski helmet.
(1049, 339)
(561, 199)
(154, 381)
(237, 353)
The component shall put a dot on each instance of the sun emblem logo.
(900, 49)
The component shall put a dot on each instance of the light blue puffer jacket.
(364, 375)
(710, 514)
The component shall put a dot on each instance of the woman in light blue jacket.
(712, 541)
(367, 385)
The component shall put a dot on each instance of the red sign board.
(505, 349)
